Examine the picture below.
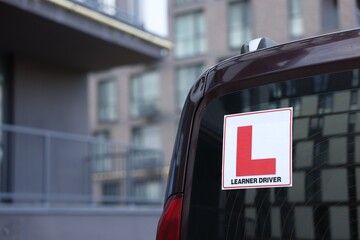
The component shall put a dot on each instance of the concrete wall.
(75, 225)
(50, 97)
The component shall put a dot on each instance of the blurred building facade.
(142, 104)
(48, 162)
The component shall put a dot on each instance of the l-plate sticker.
(257, 149)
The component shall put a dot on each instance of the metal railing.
(41, 167)
(111, 10)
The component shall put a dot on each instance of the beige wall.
(269, 18)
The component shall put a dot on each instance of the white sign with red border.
(257, 149)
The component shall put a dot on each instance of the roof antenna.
(257, 44)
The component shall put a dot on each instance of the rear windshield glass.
(324, 200)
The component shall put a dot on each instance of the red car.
(268, 145)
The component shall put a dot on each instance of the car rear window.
(324, 199)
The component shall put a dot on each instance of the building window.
(101, 158)
(111, 192)
(351, 129)
(146, 154)
(316, 125)
(329, 16)
(274, 104)
(185, 78)
(239, 23)
(353, 99)
(108, 7)
(320, 83)
(107, 101)
(326, 103)
(296, 104)
(355, 77)
(145, 93)
(276, 91)
(190, 35)
(179, 2)
(290, 88)
(147, 136)
(148, 190)
(246, 100)
(321, 151)
(105, 6)
(296, 24)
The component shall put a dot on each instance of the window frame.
(104, 104)
(296, 16)
(196, 67)
(246, 24)
(136, 102)
(196, 40)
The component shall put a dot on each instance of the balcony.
(42, 168)
(82, 34)
(112, 11)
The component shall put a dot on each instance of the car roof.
(283, 57)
